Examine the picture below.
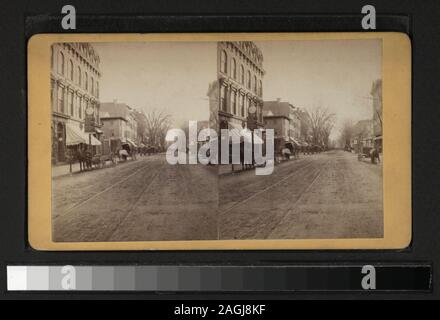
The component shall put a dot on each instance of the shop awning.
(75, 136)
(131, 142)
(293, 140)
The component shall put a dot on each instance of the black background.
(20, 19)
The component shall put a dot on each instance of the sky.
(334, 74)
(174, 76)
(170, 76)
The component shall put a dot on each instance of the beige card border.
(396, 145)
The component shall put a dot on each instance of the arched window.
(79, 76)
(241, 74)
(223, 98)
(255, 84)
(234, 69)
(224, 62)
(234, 102)
(248, 79)
(260, 88)
(70, 70)
(92, 85)
(80, 107)
(86, 81)
(61, 63)
(242, 106)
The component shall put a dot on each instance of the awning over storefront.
(377, 138)
(294, 141)
(75, 136)
(131, 142)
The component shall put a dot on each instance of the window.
(242, 74)
(234, 102)
(242, 106)
(223, 99)
(224, 62)
(255, 84)
(80, 107)
(70, 101)
(92, 85)
(79, 76)
(234, 69)
(97, 89)
(86, 81)
(248, 79)
(60, 107)
(61, 63)
(70, 70)
(260, 88)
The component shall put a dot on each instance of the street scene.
(113, 113)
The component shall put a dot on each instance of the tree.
(321, 123)
(156, 127)
(347, 133)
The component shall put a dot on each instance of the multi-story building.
(376, 93)
(74, 80)
(119, 121)
(284, 118)
(240, 77)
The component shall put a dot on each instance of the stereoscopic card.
(219, 141)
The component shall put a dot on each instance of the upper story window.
(241, 74)
(255, 84)
(223, 99)
(86, 81)
(234, 69)
(248, 79)
(224, 62)
(79, 76)
(61, 63)
(70, 70)
(92, 85)
(260, 88)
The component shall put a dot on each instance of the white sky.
(337, 74)
(159, 75)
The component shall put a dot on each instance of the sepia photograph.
(117, 105)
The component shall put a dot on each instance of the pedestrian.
(374, 154)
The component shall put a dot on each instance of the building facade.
(240, 78)
(74, 81)
(119, 121)
(376, 94)
(283, 111)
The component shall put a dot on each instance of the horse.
(85, 159)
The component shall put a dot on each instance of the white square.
(17, 278)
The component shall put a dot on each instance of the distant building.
(240, 78)
(376, 93)
(74, 81)
(362, 139)
(119, 121)
(284, 118)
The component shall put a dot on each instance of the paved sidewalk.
(64, 169)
